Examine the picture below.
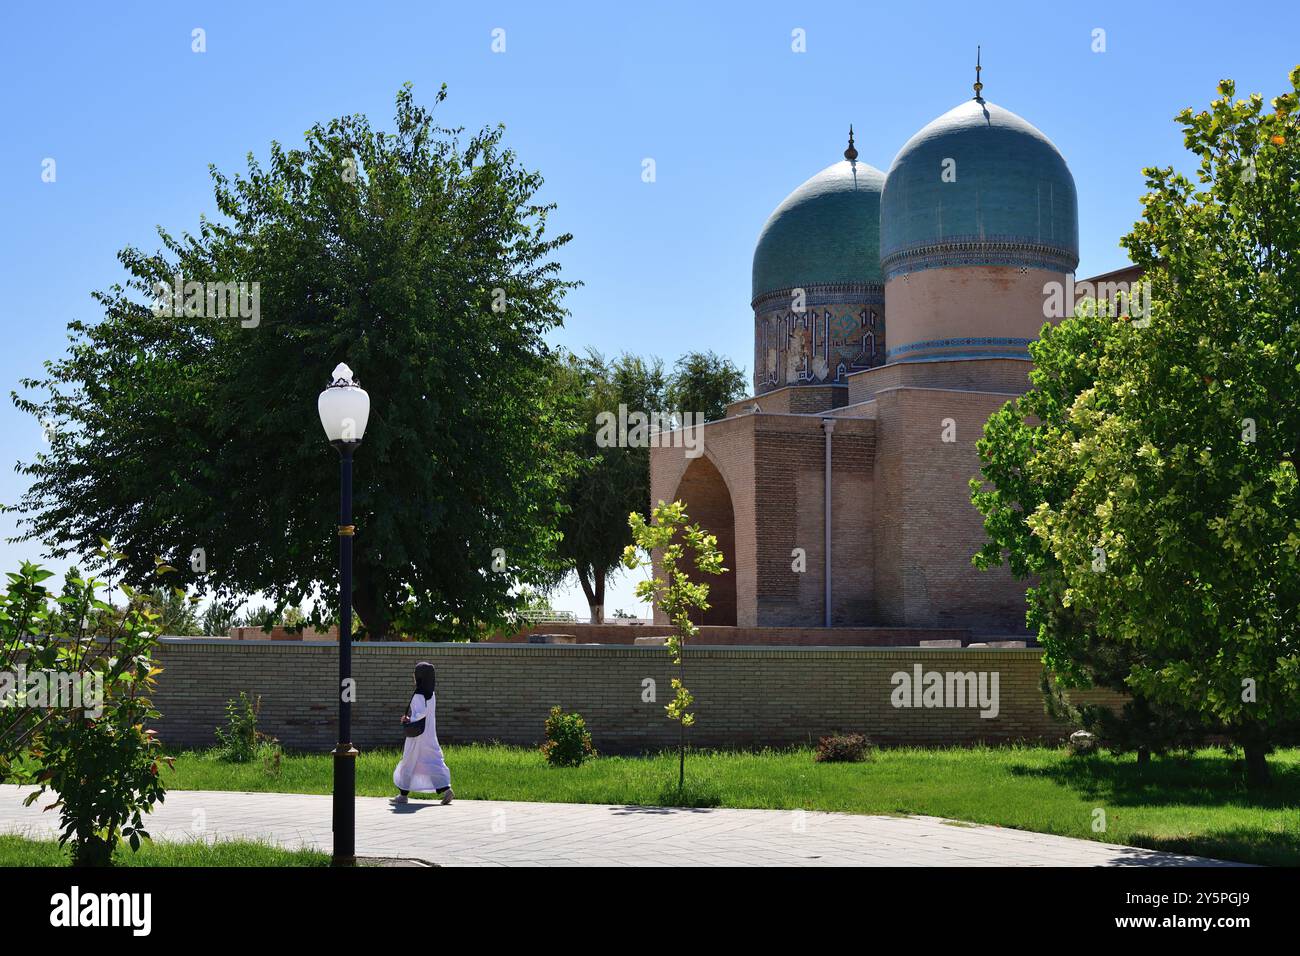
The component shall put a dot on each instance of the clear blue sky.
(712, 92)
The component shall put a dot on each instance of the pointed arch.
(708, 503)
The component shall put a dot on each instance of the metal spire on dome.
(978, 85)
(851, 154)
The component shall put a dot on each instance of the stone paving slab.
(509, 833)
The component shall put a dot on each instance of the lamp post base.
(345, 810)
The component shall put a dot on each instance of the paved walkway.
(504, 833)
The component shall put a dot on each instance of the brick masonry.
(585, 633)
(903, 527)
(745, 696)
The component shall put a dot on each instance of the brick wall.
(770, 468)
(981, 375)
(745, 696)
(586, 633)
(927, 528)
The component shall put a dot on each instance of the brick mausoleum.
(892, 316)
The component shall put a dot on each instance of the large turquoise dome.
(978, 186)
(826, 232)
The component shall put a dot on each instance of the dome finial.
(851, 154)
(978, 85)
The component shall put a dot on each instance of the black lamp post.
(344, 410)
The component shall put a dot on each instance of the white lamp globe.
(344, 408)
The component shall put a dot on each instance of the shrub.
(97, 758)
(271, 754)
(842, 748)
(567, 742)
(238, 743)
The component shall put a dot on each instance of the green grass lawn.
(20, 851)
(1196, 804)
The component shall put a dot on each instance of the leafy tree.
(610, 481)
(671, 589)
(705, 383)
(262, 616)
(91, 750)
(177, 612)
(219, 618)
(419, 258)
(1148, 479)
(535, 601)
(1029, 468)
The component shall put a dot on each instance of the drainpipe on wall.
(828, 426)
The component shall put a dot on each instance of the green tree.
(609, 482)
(1149, 477)
(705, 383)
(177, 612)
(1028, 467)
(421, 259)
(90, 747)
(669, 587)
(219, 618)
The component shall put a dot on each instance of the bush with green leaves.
(238, 741)
(98, 759)
(271, 754)
(568, 743)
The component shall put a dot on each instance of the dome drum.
(840, 330)
(964, 251)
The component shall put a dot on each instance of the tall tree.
(612, 480)
(705, 383)
(1149, 477)
(416, 256)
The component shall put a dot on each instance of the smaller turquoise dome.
(826, 231)
(979, 185)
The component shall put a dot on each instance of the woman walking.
(422, 767)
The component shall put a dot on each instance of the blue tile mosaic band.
(967, 251)
(826, 293)
(928, 351)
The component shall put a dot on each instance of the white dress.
(422, 767)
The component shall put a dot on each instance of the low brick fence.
(745, 696)
(757, 636)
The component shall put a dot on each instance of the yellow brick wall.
(745, 696)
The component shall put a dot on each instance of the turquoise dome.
(1012, 201)
(825, 232)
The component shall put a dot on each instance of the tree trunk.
(681, 723)
(369, 604)
(1144, 756)
(91, 850)
(593, 592)
(1257, 773)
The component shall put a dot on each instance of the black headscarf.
(425, 678)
